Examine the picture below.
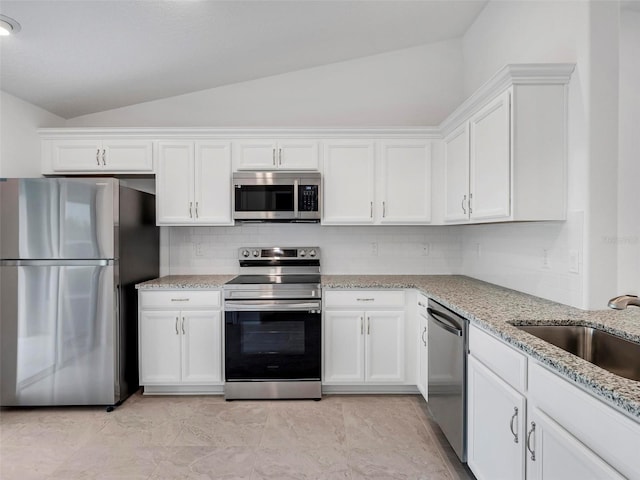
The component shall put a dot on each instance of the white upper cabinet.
(94, 155)
(193, 183)
(348, 182)
(505, 148)
(268, 154)
(490, 161)
(364, 187)
(405, 182)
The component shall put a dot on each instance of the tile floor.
(204, 437)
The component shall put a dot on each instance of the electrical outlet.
(546, 263)
(199, 249)
(374, 249)
(574, 261)
(478, 250)
(426, 248)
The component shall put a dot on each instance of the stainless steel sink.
(603, 349)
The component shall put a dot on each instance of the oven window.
(275, 337)
(264, 198)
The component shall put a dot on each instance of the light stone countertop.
(494, 309)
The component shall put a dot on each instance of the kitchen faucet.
(623, 301)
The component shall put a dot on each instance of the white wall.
(19, 143)
(345, 250)
(412, 87)
(628, 238)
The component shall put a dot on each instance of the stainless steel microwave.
(277, 196)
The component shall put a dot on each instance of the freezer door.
(58, 218)
(58, 335)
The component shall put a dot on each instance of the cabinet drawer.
(180, 299)
(503, 360)
(423, 303)
(364, 299)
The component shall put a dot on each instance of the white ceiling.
(84, 56)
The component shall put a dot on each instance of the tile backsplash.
(345, 249)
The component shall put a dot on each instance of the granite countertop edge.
(496, 310)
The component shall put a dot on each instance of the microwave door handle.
(296, 182)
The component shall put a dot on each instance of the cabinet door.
(257, 155)
(456, 181)
(201, 346)
(174, 183)
(384, 347)
(78, 155)
(128, 155)
(423, 358)
(348, 196)
(495, 425)
(159, 340)
(213, 183)
(405, 182)
(298, 154)
(490, 144)
(343, 347)
(559, 455)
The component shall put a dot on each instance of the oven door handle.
(271, 306)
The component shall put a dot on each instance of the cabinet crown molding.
(196, 133)
(512, 74)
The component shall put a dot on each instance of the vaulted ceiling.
(84, 56)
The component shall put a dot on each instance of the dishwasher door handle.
(456, 328)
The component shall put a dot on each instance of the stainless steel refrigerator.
(71, 252)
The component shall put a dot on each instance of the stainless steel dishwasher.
(447, 385)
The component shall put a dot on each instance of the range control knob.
(302, 253)
(245, 253)
(255, 253)
(312, 253)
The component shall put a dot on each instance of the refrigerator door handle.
(56, 262)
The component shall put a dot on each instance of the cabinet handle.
(470, 199)
(183, 332)
(384, 209)
(177, 331)
(280, 156)
(190, 209)
(513, 417)
(98, 157)
(104, 162)
(464, 199)
(424, 332)
(197, 210)
(371, 214)
(361, 326)
(533, 453)
(365, 299)
(274, 157)
(368, 325)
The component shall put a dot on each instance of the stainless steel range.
(273, 312)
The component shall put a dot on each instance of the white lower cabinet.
(496, 422)
(180, 347)
(525, 421)
(555, 454)
(423, 352)
(364, 346)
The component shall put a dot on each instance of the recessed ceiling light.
(8, 26)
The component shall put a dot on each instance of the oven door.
(275, 340)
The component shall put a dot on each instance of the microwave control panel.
(308, 198)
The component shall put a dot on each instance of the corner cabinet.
(180, 341)
(505, 149)
(364, 337)
(267, 154)
(377, 182)
(97, 155)
(193, 183)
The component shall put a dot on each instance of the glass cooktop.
(273, 279)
